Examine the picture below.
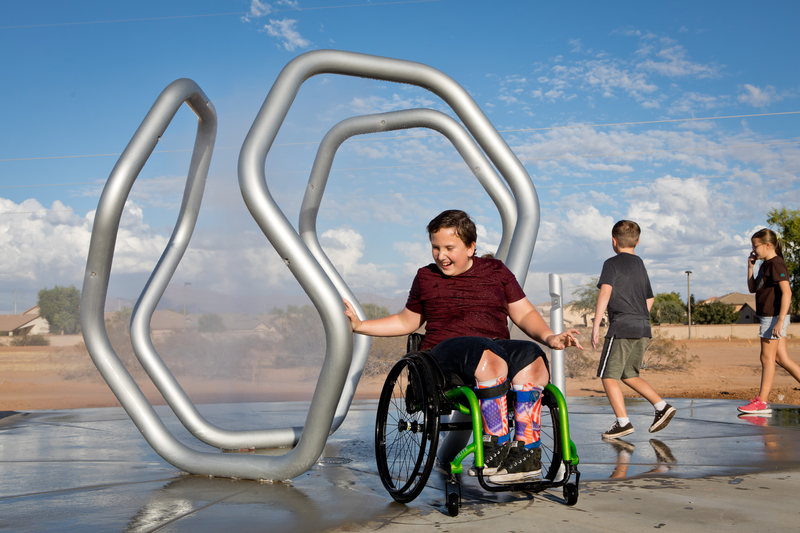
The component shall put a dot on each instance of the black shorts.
(458, 357)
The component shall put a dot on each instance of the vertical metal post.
(557, 374)
(689, 300)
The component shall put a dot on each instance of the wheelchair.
(415, 407)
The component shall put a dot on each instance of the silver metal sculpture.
(339, 374)
(396, 120)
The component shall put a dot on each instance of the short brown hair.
(627, 233)
(462, 225)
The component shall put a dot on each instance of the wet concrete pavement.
(91, 470)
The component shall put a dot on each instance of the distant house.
(29, 322)
(744, 304)
(165, 321)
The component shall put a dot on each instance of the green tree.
(61, 307)
(211, 322)
(668, 308)
(787, 223)
(585, 297)
(714, 313)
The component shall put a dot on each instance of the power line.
(401, 137)
(617, 154)
(453, 163)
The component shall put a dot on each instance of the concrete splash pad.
(91, 470)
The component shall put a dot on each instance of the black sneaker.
(616, 431)
(622, 447)
(663, 453)
(520, 465)
(662, 418)
(493, 455)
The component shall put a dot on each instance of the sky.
(683, 116)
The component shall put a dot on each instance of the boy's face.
(451, 255)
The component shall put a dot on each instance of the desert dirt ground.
(33, 378)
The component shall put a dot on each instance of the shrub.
(578, 363)
(34, 339)
(664, 354)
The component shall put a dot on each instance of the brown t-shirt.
(768, 290)
(474, 303)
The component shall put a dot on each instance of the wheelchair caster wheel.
(571, 494)
(452, 504)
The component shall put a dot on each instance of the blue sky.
(683, 116)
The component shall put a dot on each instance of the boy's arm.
(650, 304)
(403, 323)
(527, 318)
(602, 303)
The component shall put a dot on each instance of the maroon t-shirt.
(768, 290)
(473, 303)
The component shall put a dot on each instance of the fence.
(719, 331)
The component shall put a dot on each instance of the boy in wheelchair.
(464, 302)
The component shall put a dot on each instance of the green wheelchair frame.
(409, 419)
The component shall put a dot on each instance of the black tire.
(406, 430)
(551, 445)
(452, 504)
(571, 493)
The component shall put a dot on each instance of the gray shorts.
(621, 358)
(768, 324)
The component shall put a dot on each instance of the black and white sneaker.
(662, 418)
(521, 464)
(663, 453)
(616, 431)
(493, 455)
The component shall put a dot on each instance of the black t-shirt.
(768, 290)
(630, 290)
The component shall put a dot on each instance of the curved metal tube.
(271, 220)
(154, 365)
(95, 287)
(252, 158)
(299, 259)
(396, 120)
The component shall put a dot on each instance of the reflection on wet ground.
(90, 469)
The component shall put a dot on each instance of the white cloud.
(257, 9)
(690, 102)
(674, 63)
(378, 104)
(40, 245)
(345, 247)
(758, 97)
(286, 32)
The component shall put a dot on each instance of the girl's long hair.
(766, 235)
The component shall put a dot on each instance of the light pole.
(184, 304)
(689, 300)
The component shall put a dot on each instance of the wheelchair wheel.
(406, 430)
(553, 467)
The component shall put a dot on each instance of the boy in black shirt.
(625, 290)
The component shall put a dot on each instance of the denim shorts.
(768, 324)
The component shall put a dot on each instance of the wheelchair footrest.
(527, 486)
